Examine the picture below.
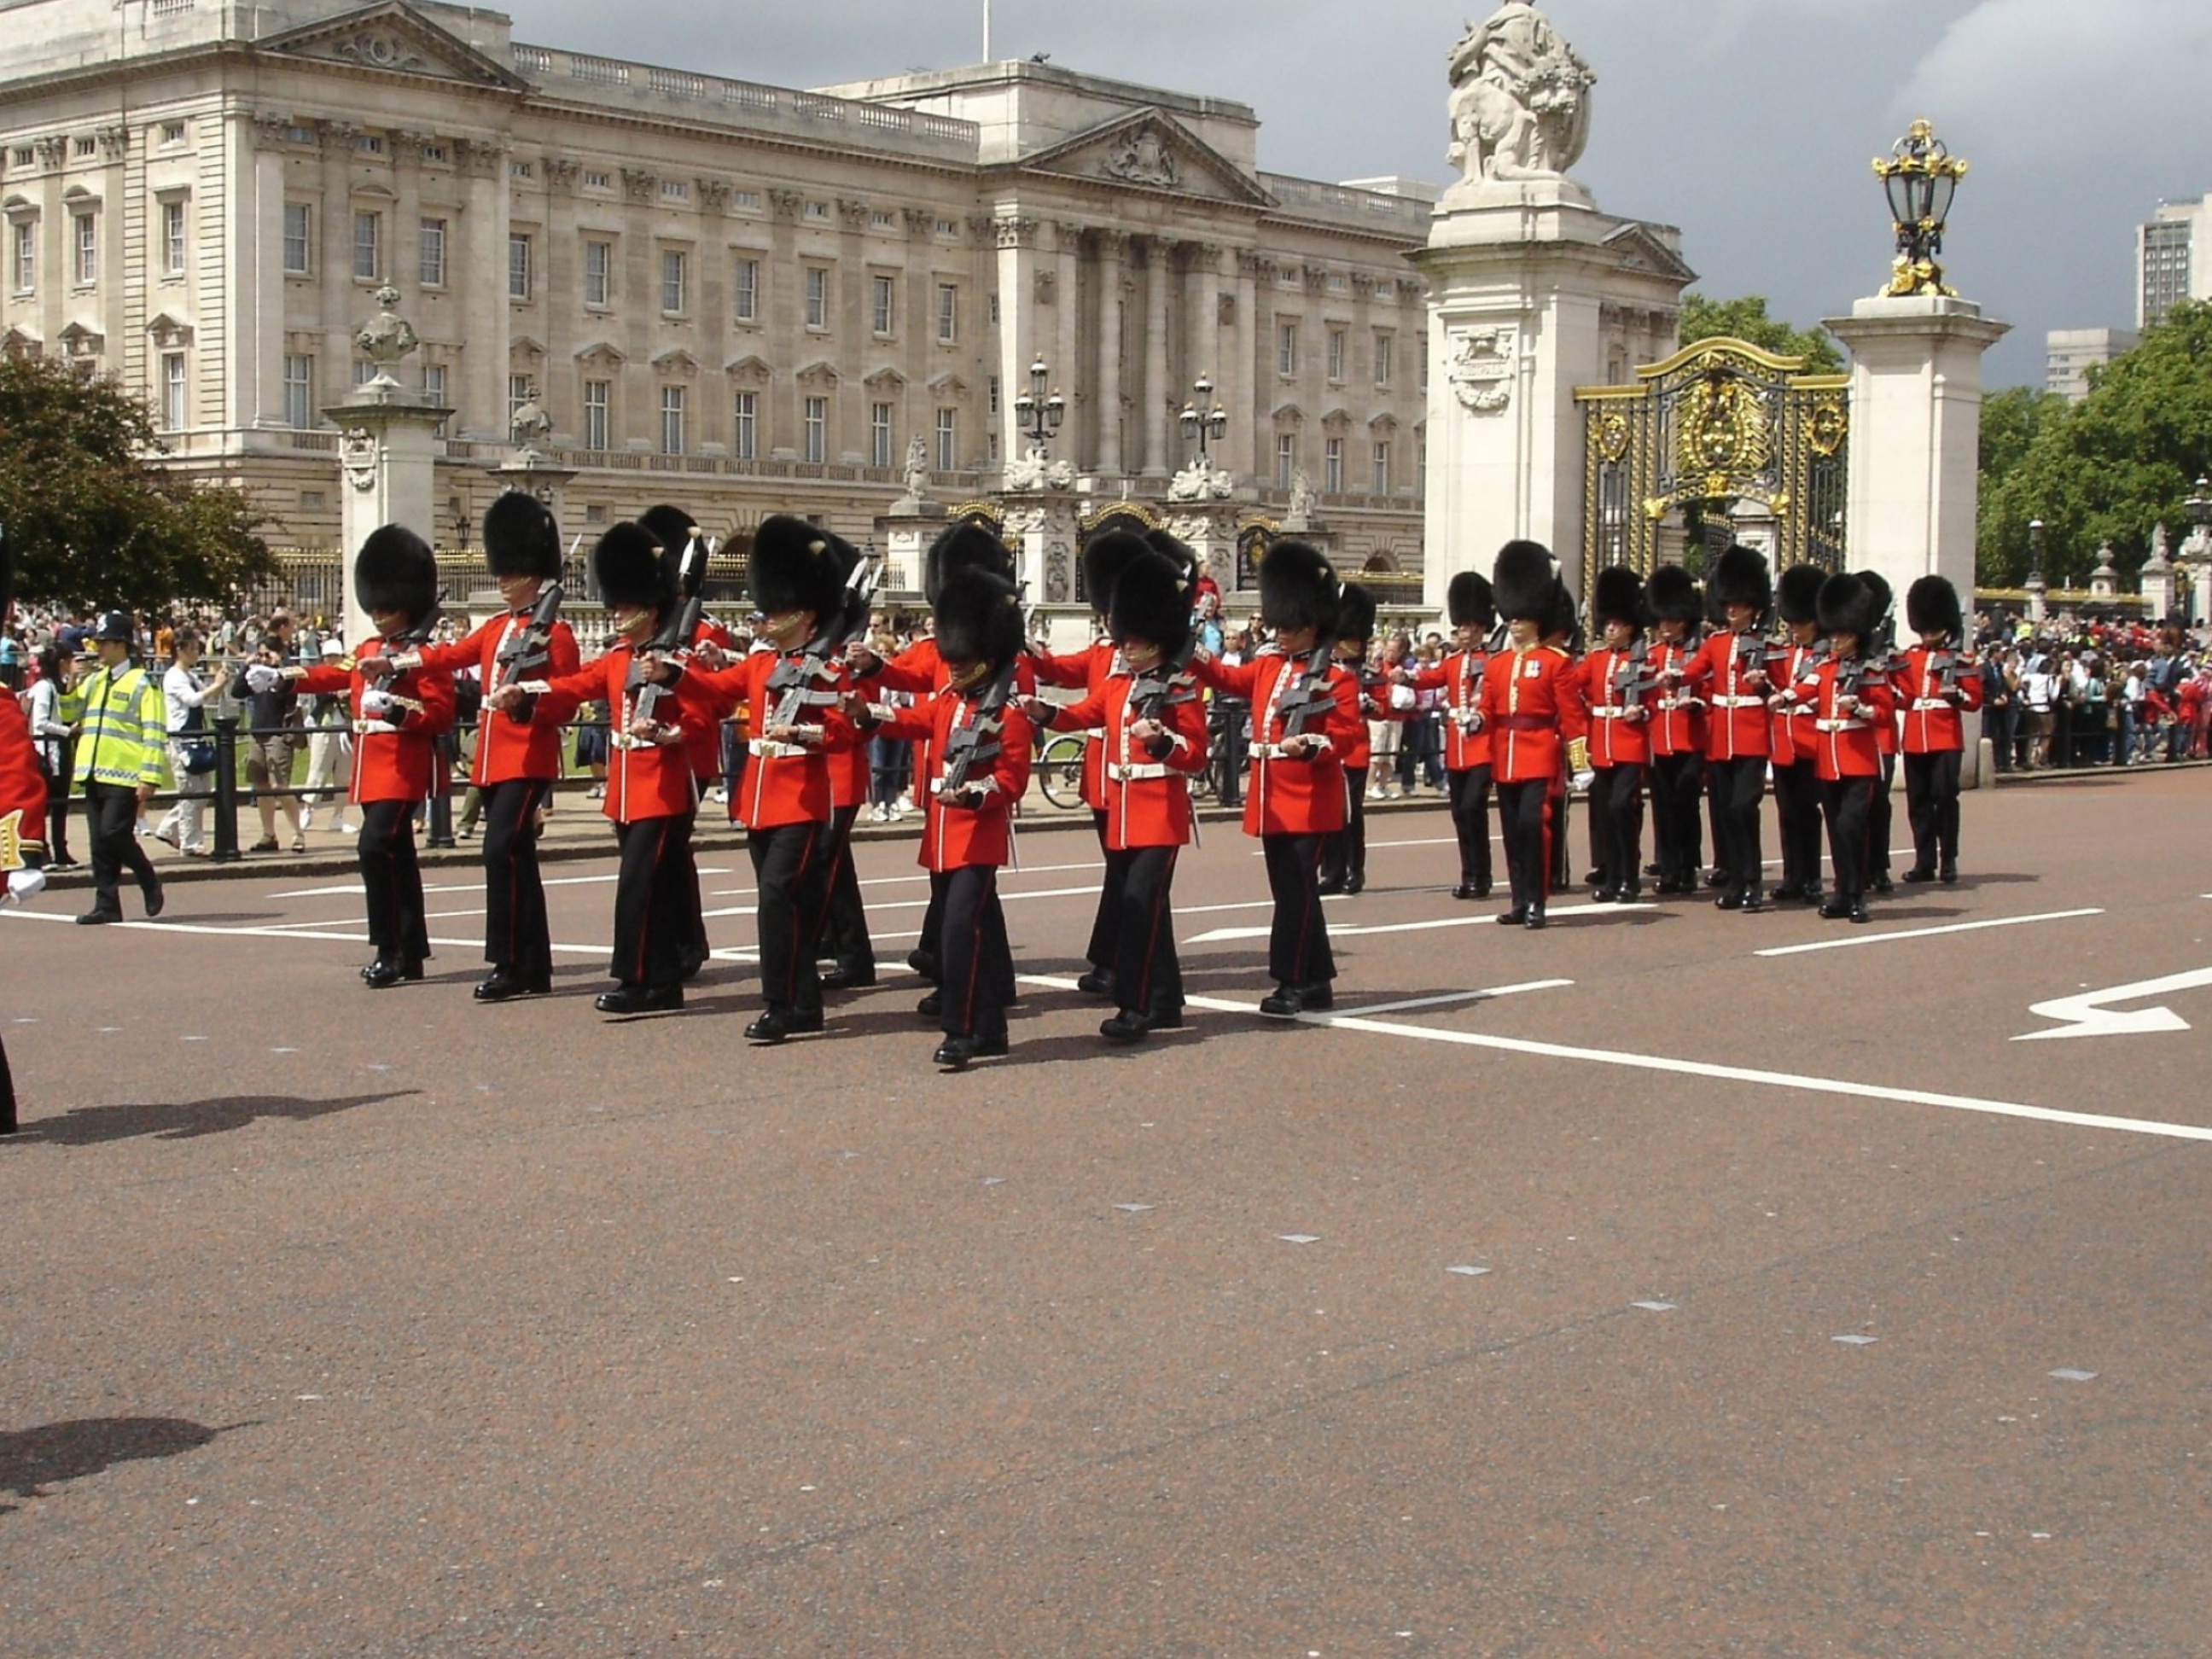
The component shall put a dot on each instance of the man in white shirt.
(2039, 690)
(186, 695)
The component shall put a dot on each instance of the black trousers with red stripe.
(1848, 804)
(1297, 942)
(792, 879)
(844, 937)
(1524, 815)
(1882, 813)
(1931, 806)
(1797, 804)
(1105, 922)
(1470, 816)
(1739, 786)
(1616, 809)
(653, 907)
(516, 934)
(393, 881)
(976, 966)
(1677, 835)
(1147, 972)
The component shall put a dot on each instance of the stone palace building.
(741, 297)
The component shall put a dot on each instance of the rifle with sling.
(676, 632)
(976, 744)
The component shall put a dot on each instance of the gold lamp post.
(1920, 176)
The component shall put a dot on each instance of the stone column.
(1061, 316)
(1202, 332)
(1113, 246)
(1243, 450)
(483, 390)
(1160, 277)
(1020, 331)
(1916, 428)
(254, 274)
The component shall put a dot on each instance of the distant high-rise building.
(2070, 353)
(2174, 253)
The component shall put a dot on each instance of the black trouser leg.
(1880, 816)
(1298, 941)
(1931, 805)
(1559, 857)
(57, 799)
(844, 934)
(788, 875)
(1617, 817)
(1847, 803)
(1103, 920)
(110, 813)
(1520, 815)
(7, 1093)
(1737, 787)
(1676, 783)
(392, 881)
(1147, 973)
(1797, 809)
(979, 969)
(651, 899)
(1470, 814)
(517, 937)
(1344, 852)
(927, 958)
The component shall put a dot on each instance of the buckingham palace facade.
(739, 296)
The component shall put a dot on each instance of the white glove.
(23, 886)
(375, 703)
(261, 677)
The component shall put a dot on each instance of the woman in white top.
(50, 737)
(186, 694)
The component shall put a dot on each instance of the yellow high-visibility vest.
(122, 726)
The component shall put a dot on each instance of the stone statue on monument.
(1301, 511)
(916, 474)
(1520, 100)
(1035, 470)
(1200, 482)
(386, 337)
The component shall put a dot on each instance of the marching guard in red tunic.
(1533, 710)
(1850, 700)
(1797, 779)
(22, 814)
(1880, 648)
(516, 762)
(790, 686)
(1344, 854)
(1615, 681)
(1305, 719)
(397, 720)
(1104, 558)
(1678, 731)
(972, 771)
(1937, 683)
(1730, 674)
(1154, 739)
(1466, 741)
(652, 795)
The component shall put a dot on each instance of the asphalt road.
(1669, 1283)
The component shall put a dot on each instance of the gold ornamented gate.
(1718, 424)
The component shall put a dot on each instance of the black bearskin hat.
(1931, 606)
(1740, 577)
(1151, 602)
(395, 570)
(1105, 556)
(1355, 614)
(1565, 621)
(1183, 558)
(965, 546)
(1298, 588)
(1797, 595)
(629, 568)
(1848, 605)
(1468, 602)
(1884, 595)
(671, 527)
(1525, 582)
(521, 537)
(1673, 592)
(1619, 597)
(798, 566)
(979, 619)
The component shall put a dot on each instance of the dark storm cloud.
(1749, 123)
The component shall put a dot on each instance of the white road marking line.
(2086, 1014)
(923, 904)
(1461, 996)
(923, 875)
(1922, 932)
(1222, 935)
(355, 889)
(293, 930)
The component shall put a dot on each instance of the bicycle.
(1059, 769)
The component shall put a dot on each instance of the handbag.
(199, 757)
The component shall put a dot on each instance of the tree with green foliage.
(2012, 420)
(1745, 320)
(93, 518)
(2108, 468)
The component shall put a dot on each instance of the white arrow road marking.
(1459, 996)
(1849, 939)
(1221, 935)
(2087, 1014)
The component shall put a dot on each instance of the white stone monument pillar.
(1916, 430)
(387, 453)
(1522, 268)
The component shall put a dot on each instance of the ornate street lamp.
(1920, 176)
(2199, 505)
(2035, 536)
(1040, 415)
(1203, 419)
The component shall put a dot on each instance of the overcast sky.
(1750, 124)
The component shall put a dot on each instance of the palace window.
(173, 392)
(598, 273)
(1332, 465)
(26, 238)
(1286, 347)
(746, 288)
(948, 440)
(299, 391)
(1335, 355)
(816, 429)
(298, 244)
(672, 420)
(433, 388)
(518, 266)
(817, 297)
(88, 248)
(433, 261)
(948, 313)
(745, 429)
(1380, 483)
(172, 239)
(598, 402)
(1286, 459)
(673, 271)
(1384, 353)
(879, 435)
(881, 294)
(367, 247)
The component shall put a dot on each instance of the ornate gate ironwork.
(1719, 423)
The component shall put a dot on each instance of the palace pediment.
(1637, 249)
(396, 39)
(1150, 149)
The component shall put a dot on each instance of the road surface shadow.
(32, 1459)
(188, 1120)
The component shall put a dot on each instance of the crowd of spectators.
(2078, 689)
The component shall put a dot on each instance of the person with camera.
(274, 733)
(191, 750)
(53, 746)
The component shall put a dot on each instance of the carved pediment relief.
(1637, 249)
(1383, 424)
(521, 349)
(749, 369)
(677, 361)
(20, 342)
(1336, 419)
(1150, 149)
(600, 354)
(948, 385)
(885, 380)
(819, 372)
(80, 340)
(168, 330)
(1288, 415)
(397, 39)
